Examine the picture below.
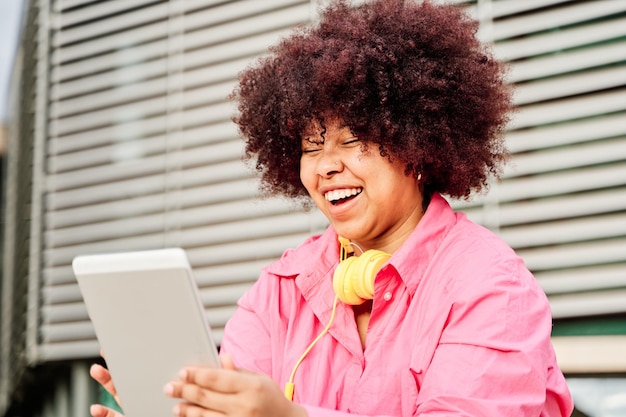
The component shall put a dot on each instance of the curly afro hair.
(408, 76)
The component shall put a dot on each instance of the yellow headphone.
(353, 282)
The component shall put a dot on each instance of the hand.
(227, 391)
(103, 377)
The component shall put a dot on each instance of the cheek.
(306, 177)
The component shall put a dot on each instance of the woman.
(375, 113)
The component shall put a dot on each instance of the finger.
(197, 397)
(227, 362)
(103, 377)
(225, 381)
(190, 410)
(98, 410)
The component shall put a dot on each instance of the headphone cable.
(290, 386)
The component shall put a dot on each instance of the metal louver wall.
(562, 202)
(142, 153)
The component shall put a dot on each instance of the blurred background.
(116, 135)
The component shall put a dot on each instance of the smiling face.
(367, 198)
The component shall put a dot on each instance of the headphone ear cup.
(354, 277)
(342, 282)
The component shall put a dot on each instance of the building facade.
(120, 139)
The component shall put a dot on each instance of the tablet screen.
(149, 321)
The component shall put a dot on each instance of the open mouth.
(341, 196)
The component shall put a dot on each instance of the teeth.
(336, 195)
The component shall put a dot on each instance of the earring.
(419, 176)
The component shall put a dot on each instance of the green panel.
(107, 400)
(588, 326)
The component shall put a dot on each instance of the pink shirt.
(459, 327)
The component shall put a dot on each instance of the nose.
(329, 164)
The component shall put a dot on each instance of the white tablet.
(149, 321)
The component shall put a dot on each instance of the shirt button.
(387, 296)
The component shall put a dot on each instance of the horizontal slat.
(548, 209)
(130, 192)
(117, 173)
(81, 349)
(506, 8)
(64, 313)
(118, 23)
(230, 273)
(136, 101)
(208, 133)
(67, 292)
(137, 36)
(562, 16)
(210, 153)
(270, 247)
(119, 61)
(236, 216)
(69, 321)
(583, 279)
(255, 230)
(574, 156)
(111, 116)
(588, 304)
(560, 183)
(560, 40)
(575, 255)
(96, 11)
(237, 10)
(223, 295)
(63, 5)
(139, 94)
(573, 132)
(92, 208)
(568, 61)
(126, 227)
(55, 332)
(228, 31)
(135, 63)
(570, 109)
(566, 231)
(148, 126)
(249, 27)
(460, 2)
(76, 349)
(570, 85)
(60, 283)
(132, 78)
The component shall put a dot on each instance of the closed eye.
(310, 150)
(311, 146)
(351, 141)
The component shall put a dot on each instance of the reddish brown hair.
(409, 77)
